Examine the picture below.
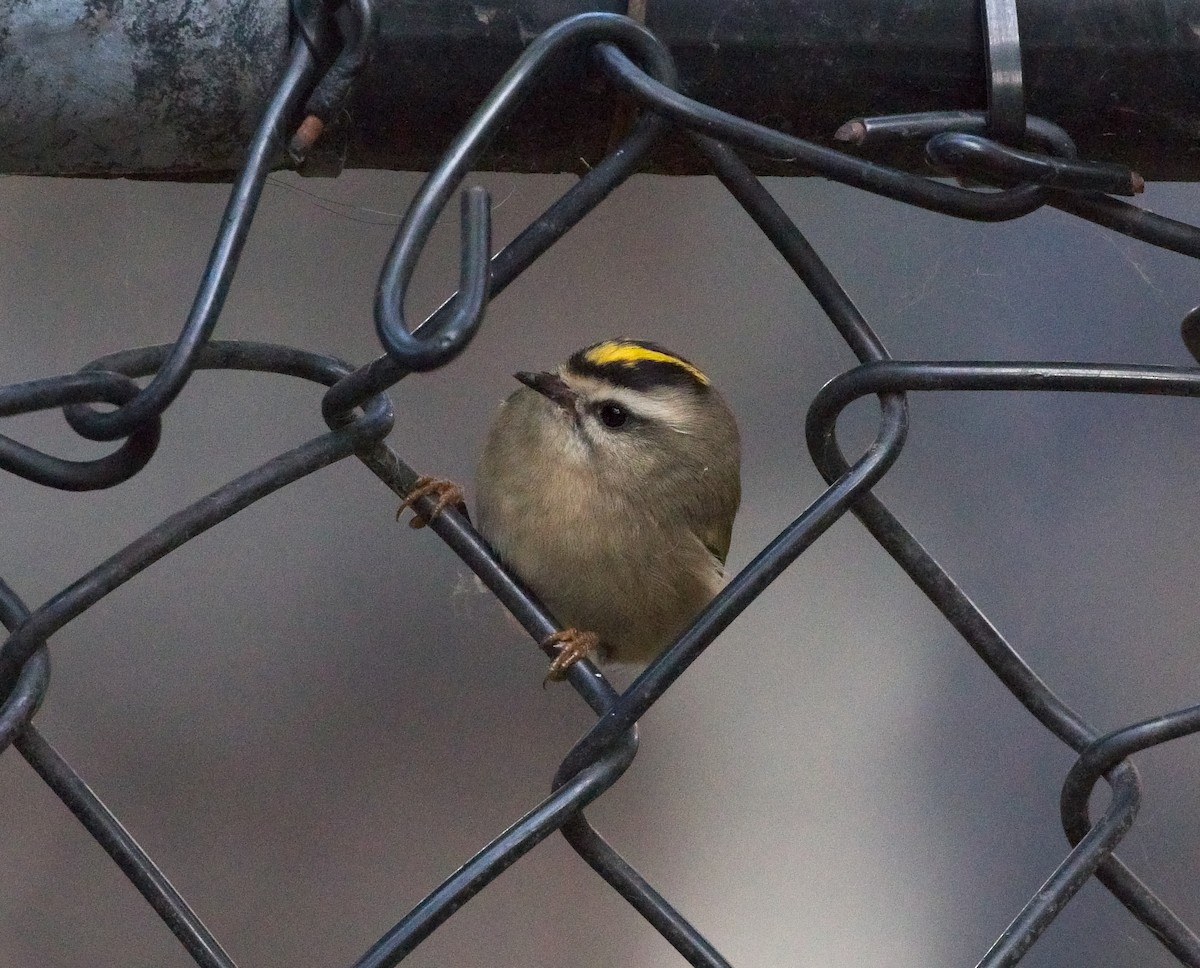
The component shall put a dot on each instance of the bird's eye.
(613, 415)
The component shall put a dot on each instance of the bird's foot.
(448, 493)
(575, 645)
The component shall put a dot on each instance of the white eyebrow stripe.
(672, 412)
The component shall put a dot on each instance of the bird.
(609, 486)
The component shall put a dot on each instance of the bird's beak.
(551, 386)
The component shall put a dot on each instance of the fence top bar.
(162, 88)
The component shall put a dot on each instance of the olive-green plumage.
(610, 487)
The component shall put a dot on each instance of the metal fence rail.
(1123, 67)
(359, 414)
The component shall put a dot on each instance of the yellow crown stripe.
(630, 354)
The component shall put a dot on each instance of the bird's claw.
(574, 645)
(448, 494)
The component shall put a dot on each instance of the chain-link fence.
(359, 414)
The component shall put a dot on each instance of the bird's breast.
(599, 559)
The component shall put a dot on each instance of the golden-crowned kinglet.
(609, 486)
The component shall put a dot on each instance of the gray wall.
(310, 715)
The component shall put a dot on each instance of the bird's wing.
(713, 524)
(716, 538)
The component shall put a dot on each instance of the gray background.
(310, 715)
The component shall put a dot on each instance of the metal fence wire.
(1001, 182)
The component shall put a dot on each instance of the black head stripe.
(637, 365)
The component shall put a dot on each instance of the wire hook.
(450, 335)
(428, 352)
(974, 155)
